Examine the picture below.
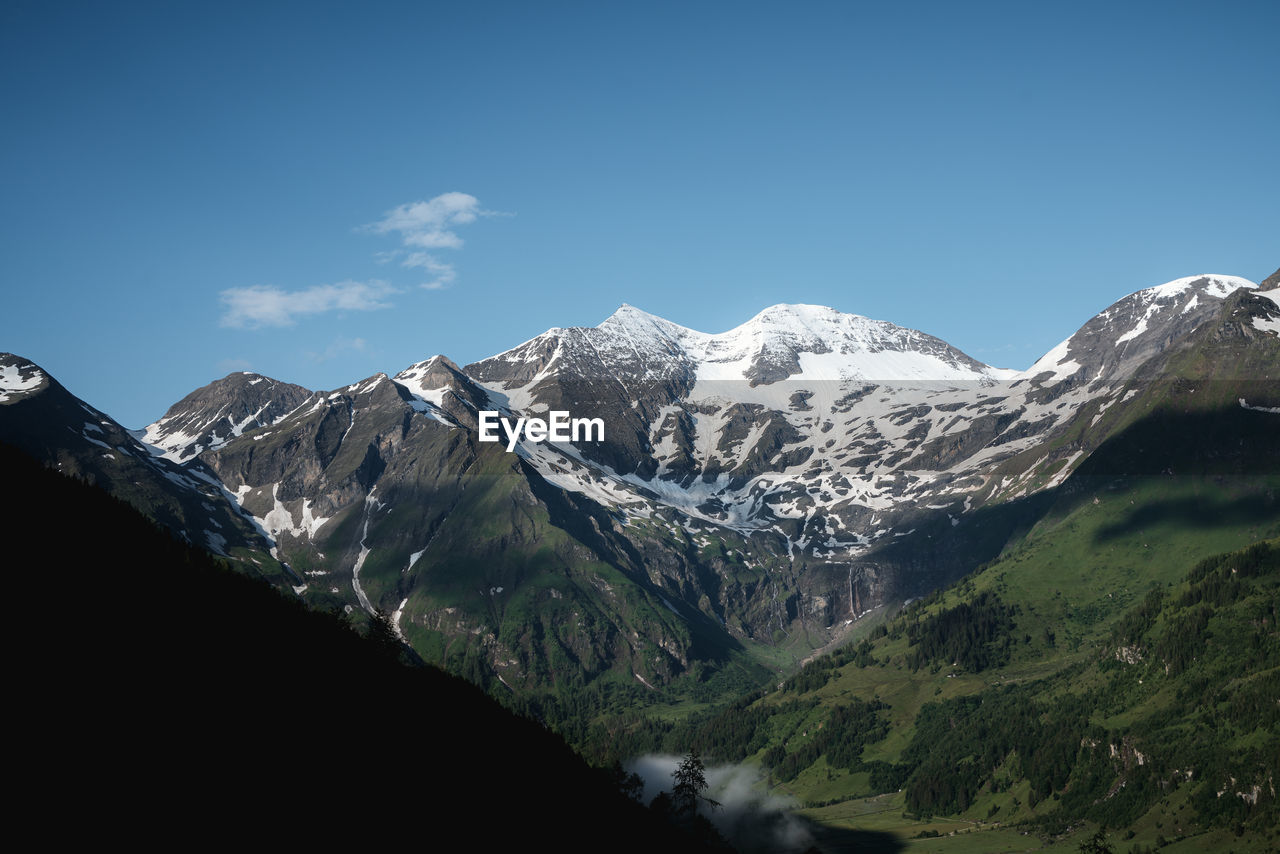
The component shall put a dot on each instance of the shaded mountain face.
(766, 485)
(43, 419)
(379, 497)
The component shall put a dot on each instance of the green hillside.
(1117, 668)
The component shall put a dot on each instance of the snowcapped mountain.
(211, 416)
(776, 480)
(784, 342)
(830, 430)
(694, 416)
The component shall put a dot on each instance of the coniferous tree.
(690, 782)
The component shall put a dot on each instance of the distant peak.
(800, 308)
(629, 310)
(433, 361)
(435, 373)
(803, 311)
(814, 320)
(441, 359)
(236, 381)
(1210, 284)
(783, 319)
(628, 316)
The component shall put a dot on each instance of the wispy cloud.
(443, 274)
(267, 305)
(430, 225)
(421, 226)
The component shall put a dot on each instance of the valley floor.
(885, 815)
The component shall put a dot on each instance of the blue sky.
(319, 191)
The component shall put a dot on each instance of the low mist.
(752, 819)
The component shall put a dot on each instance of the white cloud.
(444, 273)
(430, 225)
(421, 226)
(267, 305)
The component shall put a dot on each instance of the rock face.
(768, 484)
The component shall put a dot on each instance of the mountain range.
(757, 493)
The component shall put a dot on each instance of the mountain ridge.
(721, 518)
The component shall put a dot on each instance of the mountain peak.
(818, 320)
(1209, 284)
(431, 376)
(1135, 328)
(19, 377)
(442, 384)
(214, 414)
(799, 309)
(434, 363)
(628, 316)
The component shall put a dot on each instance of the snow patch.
(97, 442)
(280, 519)
(1218, 287)
(1054, 362)
(1267, 324)
(12, 380)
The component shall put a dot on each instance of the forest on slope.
(161, 695)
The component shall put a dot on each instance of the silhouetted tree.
(628, 784)
(690, 782)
